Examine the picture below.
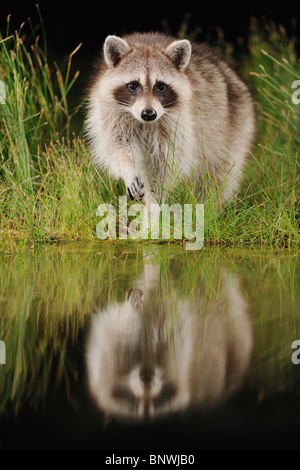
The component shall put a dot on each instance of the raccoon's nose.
(148, 114)
(146, 376)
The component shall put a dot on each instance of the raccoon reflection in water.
(158, 352)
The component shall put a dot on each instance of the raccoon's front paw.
(136, 297)
(135, 189)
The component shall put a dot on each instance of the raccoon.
(159, 353)
(161, 110)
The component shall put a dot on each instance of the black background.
(89, 22)
(67, 24)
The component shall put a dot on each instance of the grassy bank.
(49, 189)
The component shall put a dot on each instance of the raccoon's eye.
(160, 87)
(133, 86)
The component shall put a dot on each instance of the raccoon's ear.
(114, 49)
(179, 53)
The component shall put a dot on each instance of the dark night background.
(89, 22)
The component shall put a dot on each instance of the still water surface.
(149, 347)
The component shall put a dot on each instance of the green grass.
(49, 189)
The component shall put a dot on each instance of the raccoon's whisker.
(118, 108)
(169, 104)
(123, 103)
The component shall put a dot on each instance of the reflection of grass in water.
(49, 189)
(47, 297)
(45, 300)
(273, 286)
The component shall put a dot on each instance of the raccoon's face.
(144, 393)
(146, 80)
(146, 101)
(133, 373)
